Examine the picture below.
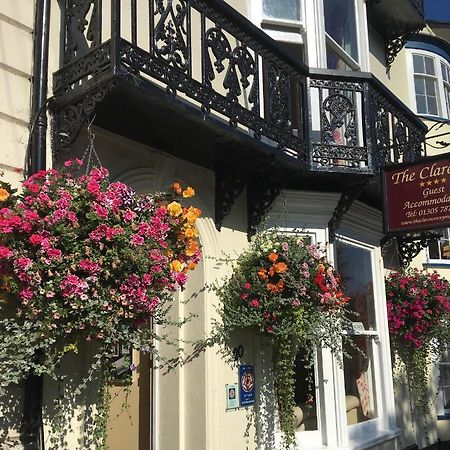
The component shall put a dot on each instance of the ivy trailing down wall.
(86, 260)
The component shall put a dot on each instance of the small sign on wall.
(232, 396)
(246, 385)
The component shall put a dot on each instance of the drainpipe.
(32, 433)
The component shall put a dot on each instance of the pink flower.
(93, 187)
(254, 303)
(247, 285)
(35, 239)
(68, 163)
(129, 215)
(137, 240)
(53, 253)
(5, 252)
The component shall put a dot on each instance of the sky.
(437, 9)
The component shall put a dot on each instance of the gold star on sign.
(443, 180)
(436, 181)
(429, 183)
(421, 184)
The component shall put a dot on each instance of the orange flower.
(4, 195)
(271, 271)
(280, 285)
(280, 267)
(276, 288)
(262, 274)
(176, 265)
(177, 188)
(191, 248)
(174, 209)
(192, 265)
(188, 192)
(273, 257)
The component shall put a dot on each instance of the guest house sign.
(417, 196)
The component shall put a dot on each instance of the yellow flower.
(192, 214)
(4, 195)
(188, 192)
(176, 265)
(191, 232)
(174, 209)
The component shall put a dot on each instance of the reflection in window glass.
(334, 61)
(355, 267)
(360, 398)
(282, 9)
(440, 249)
(305, 412)
(340, 24)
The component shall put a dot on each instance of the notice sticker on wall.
(232, 396)
(246, 385)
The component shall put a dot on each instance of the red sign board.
(417, 196)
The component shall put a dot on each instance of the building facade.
(279, 113)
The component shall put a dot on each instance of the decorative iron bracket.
(410, 245)
(231, 179)
(344, 204)
(261, 193)
(68, 119)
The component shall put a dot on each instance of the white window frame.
(362, 226)
(438, 261)
(443, 108)
(441, 412)
(283, 30)
(312, 25)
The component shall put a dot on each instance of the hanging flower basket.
(287, 291)
(83, 259)
(418, 309)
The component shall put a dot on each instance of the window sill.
(376, 438)
(437, 263)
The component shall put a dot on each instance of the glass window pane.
(340, 24)
(419, 66)
(419, 85)
(429, 66)
(430, 87)
(305, 412)
(445, 375)
(421, 104)
(334, 61)
(444, 72)
(432, 106)
(433, 250)
(355, 266)
(282, 9)
(360, 398)
(446, 395)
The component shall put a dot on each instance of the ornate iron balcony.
(206, 56)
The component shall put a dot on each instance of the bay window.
(348, 404)
(431, 83)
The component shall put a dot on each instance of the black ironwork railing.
(206, 52)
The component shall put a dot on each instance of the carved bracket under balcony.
(409, 246)
(68, 120)
(395, 44)
(262, 190)
(344, 204)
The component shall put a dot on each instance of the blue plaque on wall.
(246, 385)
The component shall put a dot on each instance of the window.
(431, 75)
(440, 249)
(445, 382)
(349, 405)
(355, 266)
(286, 10)
(442, 373)
(341, 34)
